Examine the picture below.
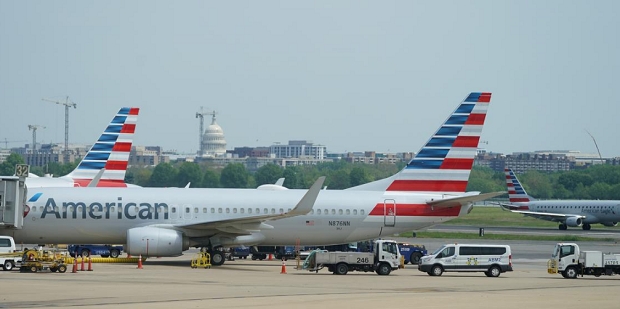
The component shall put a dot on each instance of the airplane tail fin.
(444, 163)
(110, 152)
(516, 193)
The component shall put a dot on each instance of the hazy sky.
(351, 75)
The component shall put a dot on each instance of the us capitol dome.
(213, 141)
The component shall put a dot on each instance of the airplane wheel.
(217, 258)
(586, 227)
(563, 227)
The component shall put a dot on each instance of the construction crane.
(202, 115)
(33, 128)
(6, 142)
(67, 105)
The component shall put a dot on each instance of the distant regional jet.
(168, 221)
(573, 213)
(110, 153)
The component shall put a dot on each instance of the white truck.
(384, 258)
(8, 256)
(569, 261)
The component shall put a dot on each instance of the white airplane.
(168, 221)
(110, 153)
(573, 213)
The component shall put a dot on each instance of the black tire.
(415, 258)
(217, 258)
(85, 253)
(586, 227)
(436, 270)
(494, 271)
(8, 265)
(384, 269)
(570, 273)
(406, 262)
(563, 227)
(33, 269)
(53, 269)
(114, 253)
(62, 268)
(341, 269)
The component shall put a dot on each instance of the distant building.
(143, 156)
(213, 141)
(297, 149)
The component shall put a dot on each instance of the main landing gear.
(218, 256)
(585, 227)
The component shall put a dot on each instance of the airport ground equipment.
(569, 261)
(384, 259)
(9, 257)
(38, 260)
(89, 250)
(412, 252)
(201, 259)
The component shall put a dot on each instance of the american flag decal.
(310, 222)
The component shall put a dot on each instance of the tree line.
(595, 182)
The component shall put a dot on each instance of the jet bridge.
(12, 202)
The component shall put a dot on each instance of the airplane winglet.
(280, 182)
(307, 202)
(95, 181)
(459, 200)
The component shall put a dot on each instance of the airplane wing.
(547, 216)
(95, 181)
(248, 224)
(460, 200)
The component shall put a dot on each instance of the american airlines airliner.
(167, 221)
(573, 213)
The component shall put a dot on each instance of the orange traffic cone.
(128, 256)
(270, 258)
(82, 267)
(74, 265)
(90, 264)
(283, 271)
(140, 261)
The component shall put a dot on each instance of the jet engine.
(574, 222)
(610, 223)
(154, 241)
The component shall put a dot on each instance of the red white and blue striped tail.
(516, 193)
(443, 165)
(111, 151)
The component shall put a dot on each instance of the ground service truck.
(384, 258)
(569, 261)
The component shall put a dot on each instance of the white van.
(490, 259)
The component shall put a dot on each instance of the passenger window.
(212, 210)
(241, 210)
(204, 210)
(362, 212)
(266, 211)
(318, 211)
(227, 210)
(355, 212)
(249, 210)
(234, 210)
(174, 210)
(281, 211)
(348, 212)
(219, 210)
(340, 211)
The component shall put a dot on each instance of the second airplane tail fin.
(110, 151)
(444, 163)
(516, 193)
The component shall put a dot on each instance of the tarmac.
(171, 283)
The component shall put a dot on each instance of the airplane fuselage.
(595, 211)
(90, 215)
